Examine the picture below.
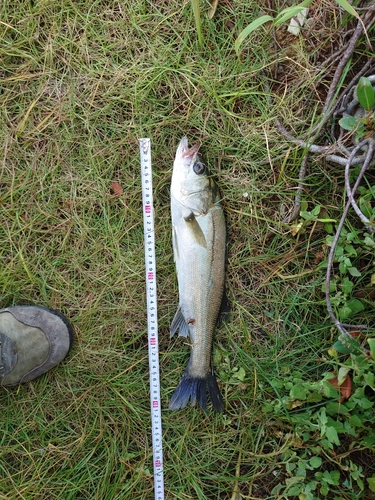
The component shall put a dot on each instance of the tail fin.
(195, 390)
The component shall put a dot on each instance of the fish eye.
(199, 168)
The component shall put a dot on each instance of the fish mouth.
(184, 149)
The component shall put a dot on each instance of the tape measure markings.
(152, 316)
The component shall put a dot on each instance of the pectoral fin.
(196, 230)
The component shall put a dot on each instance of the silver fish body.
(199, 247)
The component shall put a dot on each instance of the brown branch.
(340, 68)
(297, 199)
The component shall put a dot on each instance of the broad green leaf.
(369, 440)
(355, 305)
(344, 313)
(334, 408)
(335, 477)
(342, 267)
(371, 483)
(349, 249)
(355, 421)
(332, 352)
(323, 418)
(332, 436)
(371, 343)
(347, 262)
(298, 392)
(295, 489)
(365, 93)
(315, 462)
(329, 391)
(290, 12)
(324, 487)
(336, 424)
(361, 131)
(347, 285)
(346, 5)
(249, 29)
(365, 403)
(353, 271)
(339, 251)
(329, 240)
(369, 242)
(365, 207)
(267, 408)
(239, 374)
(350, 345)
(343, 372)
(369, 378)
(348, 123)
(328, 227)
(307, 215)
(316, 210)
(314, 397)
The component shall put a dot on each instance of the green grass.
(80, 83)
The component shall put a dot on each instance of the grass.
(81, 82)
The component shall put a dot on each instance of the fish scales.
(199, 244)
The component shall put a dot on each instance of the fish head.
(191, 184)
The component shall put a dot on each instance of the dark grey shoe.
(33, 340)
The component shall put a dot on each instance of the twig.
(369, 155)
(323, 150)
(340, 68)
(297, 199)
(341, 326)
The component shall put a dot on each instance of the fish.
(199, 248)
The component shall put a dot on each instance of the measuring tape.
(152, 316)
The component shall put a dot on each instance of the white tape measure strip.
(152, 316)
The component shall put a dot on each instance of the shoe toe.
(33, 340)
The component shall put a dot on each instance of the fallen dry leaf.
(345, 389)
(355, 333)
(212, 9)
(117, 188)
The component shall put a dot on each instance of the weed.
(362, 120)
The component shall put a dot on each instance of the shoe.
(33, 340)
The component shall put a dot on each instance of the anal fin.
(179, 323)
